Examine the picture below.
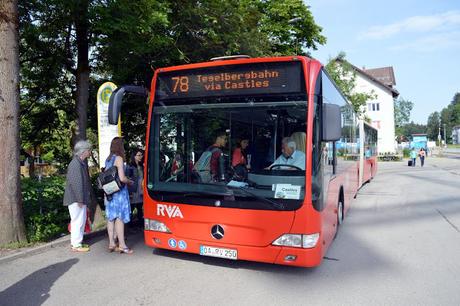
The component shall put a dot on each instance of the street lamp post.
(293, 21)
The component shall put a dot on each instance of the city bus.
(278, 213)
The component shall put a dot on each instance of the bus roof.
(235, 62)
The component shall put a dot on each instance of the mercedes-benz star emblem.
(217, 232)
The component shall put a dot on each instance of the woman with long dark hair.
(117, 209)
(136, 173)
(240, 162)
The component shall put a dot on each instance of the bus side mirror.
(116, 100)
(332, 122)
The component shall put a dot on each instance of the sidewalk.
(12, 254)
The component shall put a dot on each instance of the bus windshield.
(227, 150)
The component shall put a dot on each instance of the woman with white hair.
(77, 194)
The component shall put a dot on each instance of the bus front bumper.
(269, 254)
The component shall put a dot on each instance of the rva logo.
(171, 210)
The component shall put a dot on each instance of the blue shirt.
(296, 159)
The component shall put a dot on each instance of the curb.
(42, 248)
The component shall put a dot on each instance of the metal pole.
(445, 136)
(439, 135)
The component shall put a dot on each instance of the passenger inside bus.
(240, 160)
(211, 166)
(299, 139)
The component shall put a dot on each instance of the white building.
(380, 81)
(456, 134)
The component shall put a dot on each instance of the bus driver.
(289, 156)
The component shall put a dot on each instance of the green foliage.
(433, 126)
(406, 152)
(16, 245)
(411, 128)
(402, 110)
(44, 214)
(443, 122)
(289, 26)
(344, 76)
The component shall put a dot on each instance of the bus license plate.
(218, 252)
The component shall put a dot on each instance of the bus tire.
(340, 216)
(339, 213)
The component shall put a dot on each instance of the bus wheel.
(340, 213)
(339, 216)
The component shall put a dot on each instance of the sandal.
(80, 248)
(126, 251)
(112, 248)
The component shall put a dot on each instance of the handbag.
(87, 224)
(109, 181)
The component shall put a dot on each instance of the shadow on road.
(238, 264)
(35, 288)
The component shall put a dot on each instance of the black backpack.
(109, 181)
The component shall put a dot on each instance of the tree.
(11, 218)
(433, 125)
(344, 76)
(402, 114)
(411, 128)
(290, 27)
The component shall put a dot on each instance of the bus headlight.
(310, 241)
(297, 240)
(154, 225)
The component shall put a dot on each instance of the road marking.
(448, 221)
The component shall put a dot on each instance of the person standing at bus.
(413, 156)
(77, 194)
(136, 196)
(240, 159)
(422, 154)
(217, 163)
(118, 209)
(290, 156)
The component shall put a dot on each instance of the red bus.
(286, 209)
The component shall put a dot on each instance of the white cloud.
(431, 43)
(415, 24)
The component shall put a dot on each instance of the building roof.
(385, 75)
(370, 77)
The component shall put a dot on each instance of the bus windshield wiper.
(272, 203)
(207, 193)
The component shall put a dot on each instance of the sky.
(420, 39)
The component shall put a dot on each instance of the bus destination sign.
(244, 79)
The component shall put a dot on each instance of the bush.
(406, 152)
(45, 216)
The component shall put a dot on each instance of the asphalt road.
(399, 245)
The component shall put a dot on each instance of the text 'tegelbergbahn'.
(273, 207)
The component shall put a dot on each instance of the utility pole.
(445, 136)
(439, 135)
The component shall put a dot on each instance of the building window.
(373, 107)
